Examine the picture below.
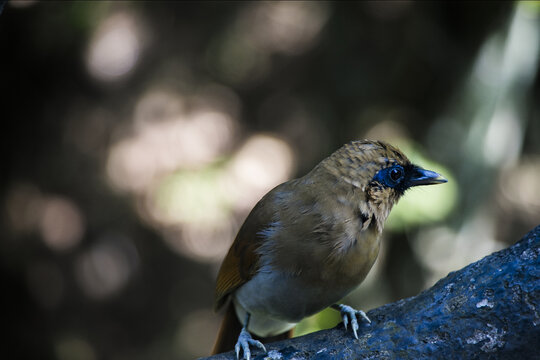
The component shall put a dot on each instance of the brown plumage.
(311, 240)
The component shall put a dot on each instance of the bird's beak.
(421, 176)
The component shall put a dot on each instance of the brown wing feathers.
(239, 266)
(242, 260)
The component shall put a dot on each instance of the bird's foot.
(350, 314)
(243, 343)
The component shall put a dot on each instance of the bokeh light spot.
(115, 48)
(168, 138)
(107, 266)
(22, 3)
(62, 224)
(196, 213)
(502, 144)
(441, 249)
(263, 162)
(242, 54)
(520, 188)
(190, 197)
(289, 27)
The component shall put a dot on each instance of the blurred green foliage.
(193, 196)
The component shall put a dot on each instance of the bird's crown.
(358, 162)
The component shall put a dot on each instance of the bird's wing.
(242, 260)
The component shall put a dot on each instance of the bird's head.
(381, 172)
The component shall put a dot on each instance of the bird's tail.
(230, 329)
(228, 332)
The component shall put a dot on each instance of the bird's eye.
(396, 174)
(391, 176)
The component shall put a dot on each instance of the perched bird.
(309, 242)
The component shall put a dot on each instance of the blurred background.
(137, 136)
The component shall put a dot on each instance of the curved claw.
(354, 325)
(243, 343)
(258, 344)
(363, 314)
(350, 314)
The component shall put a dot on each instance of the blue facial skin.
(401, 178)
(391, 176)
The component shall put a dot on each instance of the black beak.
(419, 176)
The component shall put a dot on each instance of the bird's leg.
(245, 340)
(350, 315)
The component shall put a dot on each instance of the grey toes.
(244, 341)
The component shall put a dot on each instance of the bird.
(309, 242)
